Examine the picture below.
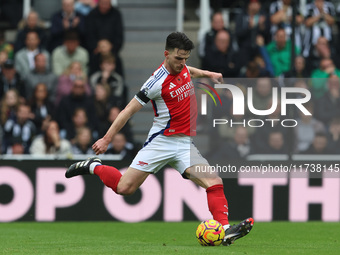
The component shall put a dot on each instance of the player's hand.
(100, 146)
(216, 77)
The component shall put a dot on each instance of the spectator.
(334, 135)
(83, 142)
(40, 74)
(262, 94)
(104, 49)
(66, 80)
(287, 79)
(16, 148)
(319, 18)
(50, 142)
(5, 46)
(84, 6)
(79, 120)
(281, 13)
(254, 70)
(299, 70)
(227, 132)
(319, 145)
(122, 147)
(108, 75)
(65, 19)
(11, 79)
(76, 99)
(9, 105)
(42, 107)
(279, 52)
(20, 129)
(102, 102)
(307, 127)
(3, 58)
(126, 130)
(291, 109)
(222, 58)
(217, 24)
(328, 105)
(69, 52)
(274, 145)
(242, 144)
(238, 148)
(31, 23)
(321, 50)
(250, 24)
(24, 58)
(261, 136)
(320, 77)
(104, 21)
(261, 59)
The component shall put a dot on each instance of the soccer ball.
(210, 233)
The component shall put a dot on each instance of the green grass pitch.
(163, 238)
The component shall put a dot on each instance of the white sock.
(226, 227)
(92, 166)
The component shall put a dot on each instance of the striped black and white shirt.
(319, 28)
(274, 8)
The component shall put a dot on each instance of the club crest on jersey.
(185, 75)
(141, 163)
(172, 85)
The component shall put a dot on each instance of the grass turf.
(163, 238)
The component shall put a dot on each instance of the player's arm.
(199, 73)
(101, 145)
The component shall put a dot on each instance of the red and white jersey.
(173, 100)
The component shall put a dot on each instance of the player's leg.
(125, 184)
(148, 160)
(217, 202)
(195, 167)
(131, 181)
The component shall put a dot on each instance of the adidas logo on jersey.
(172, 85)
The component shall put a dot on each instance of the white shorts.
(177, 151)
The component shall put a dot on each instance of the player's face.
(176, 59)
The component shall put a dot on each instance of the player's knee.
(126, 190)
(214, 181)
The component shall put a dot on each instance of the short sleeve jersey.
(173, 100)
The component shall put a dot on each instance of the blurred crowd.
(258, 51)
(61, 87)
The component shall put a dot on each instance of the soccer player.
(171, 92)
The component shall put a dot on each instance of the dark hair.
(178, 40)
(320, 134)
(280, 27)
(108, 59)
(71, 35)
(23, 105)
